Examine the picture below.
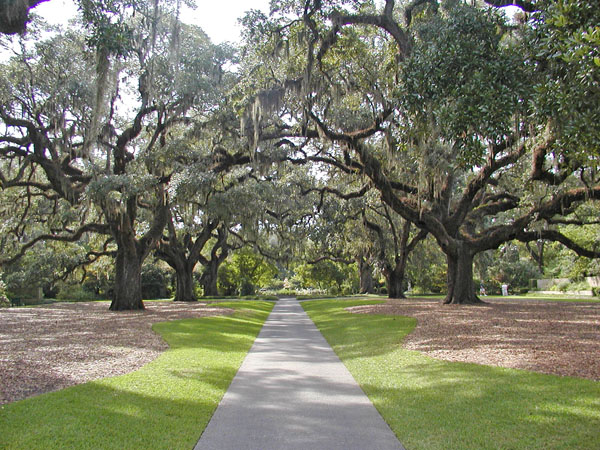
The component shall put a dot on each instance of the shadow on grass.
(164, 405)
(100, 416)
(352, 335)
(457, 405)
(433, 404)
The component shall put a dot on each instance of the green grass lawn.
(164, 405)
(432, 404)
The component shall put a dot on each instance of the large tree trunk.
(365, 272)
(461, 289)
(209, 280)
(395, 281)
(211, 271)
(185, 284)
(128, 281)
(14, 15)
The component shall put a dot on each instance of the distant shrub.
(247, 288)
(563, 286)
(154, 282)
(579, 286)
(76, 293)
(227, 280)
(286, 292)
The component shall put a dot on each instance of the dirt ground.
(48, 348)
(549, 337)
(52, 347)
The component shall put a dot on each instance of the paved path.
(293, 392)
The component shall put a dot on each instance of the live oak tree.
(334, 244)
(267, 220)
(473, 128)
(101, 140)
(368, 233)
(28, 216)
(46, 111)
(36, 94)
(435, 106)
(184, 76)
(198, 230)
(222, 201)
(394, 243)
(353, 226)
(185, 251)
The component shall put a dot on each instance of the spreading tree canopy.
(105, 141)
(437, 104)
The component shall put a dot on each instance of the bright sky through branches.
(218, 19)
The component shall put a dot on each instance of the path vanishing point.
(292, 392)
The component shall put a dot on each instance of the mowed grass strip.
(164, 405)
(433, 404)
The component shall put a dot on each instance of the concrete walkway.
(293, 392)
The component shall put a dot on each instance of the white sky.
(217, 18)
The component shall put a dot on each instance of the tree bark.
(128, 282)
(131, 252)
(395, 281)
(211, 271)
(185, 284)
(14, 15)
(394, 278)
(365, 272)
(209, 279)
(537, 256)
(461, 289)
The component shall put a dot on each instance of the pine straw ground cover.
(48, 348)
(163, 405)
(561, 338)
(435, 404)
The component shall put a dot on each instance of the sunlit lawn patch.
(165, 405)
(433, 404)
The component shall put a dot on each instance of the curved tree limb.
(71, 237)
(337, 193)
(385, 21)
(556, 236)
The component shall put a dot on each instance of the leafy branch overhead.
(442, 113)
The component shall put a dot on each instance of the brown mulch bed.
(52, 347)
(549, 337)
